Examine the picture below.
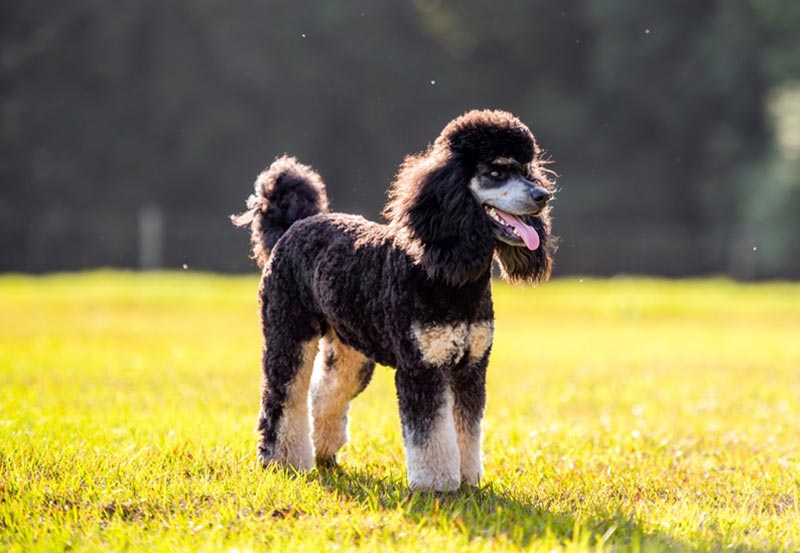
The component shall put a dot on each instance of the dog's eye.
(495, 174)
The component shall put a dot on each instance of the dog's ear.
(430, 201)
(519, 264)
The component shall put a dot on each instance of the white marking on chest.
(441, 344)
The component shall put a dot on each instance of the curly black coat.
(414, 294)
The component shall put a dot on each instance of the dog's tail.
(285, 192)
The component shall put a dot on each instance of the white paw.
(472, 478)
(435, 481)
(329, 435)
(439, 473)
(303, 463)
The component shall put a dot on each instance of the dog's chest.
(442, 344)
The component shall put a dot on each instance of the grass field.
(624, 414)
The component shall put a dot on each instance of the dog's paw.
(265, 458)
(327, 463)
(435, 482)
(471, 466)
(301, 463)
(472, 478)
(438, 477)
(329, 435)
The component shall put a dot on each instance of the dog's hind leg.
(283, 425)
(340, 374)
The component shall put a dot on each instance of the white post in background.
(151, 237)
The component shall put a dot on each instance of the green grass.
(623, 414)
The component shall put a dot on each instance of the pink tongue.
(527, 233)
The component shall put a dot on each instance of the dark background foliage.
(675, 125)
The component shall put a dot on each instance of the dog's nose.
(541, 196)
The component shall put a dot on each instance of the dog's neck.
(453, 264)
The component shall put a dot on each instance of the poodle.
(339, 293)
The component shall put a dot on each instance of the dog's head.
(481, 187)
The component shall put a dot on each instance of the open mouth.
(511, 229)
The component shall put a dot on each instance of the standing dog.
(414, 294)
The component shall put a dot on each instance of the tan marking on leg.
(293, 443)
(480, 338)
(469, 445)
(436, 465)
(441, 344)
(331, 392)
(469, 436)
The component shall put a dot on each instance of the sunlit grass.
(622, 414)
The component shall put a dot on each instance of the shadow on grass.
(487, 512)
(492, 513)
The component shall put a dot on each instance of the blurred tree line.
(675, 124)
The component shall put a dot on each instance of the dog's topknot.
(483, 135)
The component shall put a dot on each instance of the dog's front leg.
(429, 430)
(469, 401)
(469, 391)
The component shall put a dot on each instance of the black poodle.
(414, 294)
